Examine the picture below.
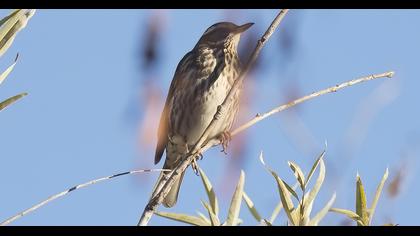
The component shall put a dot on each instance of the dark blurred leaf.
(395, 183)
(150, 48)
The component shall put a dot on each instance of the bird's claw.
(194, 166)
(225, 139)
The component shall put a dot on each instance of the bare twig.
(61, 194)
(310, 96)
(164, 186)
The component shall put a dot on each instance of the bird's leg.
(225, 138)
(194, 164)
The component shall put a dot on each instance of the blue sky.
(86, 104)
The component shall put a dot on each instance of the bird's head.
(223, 35)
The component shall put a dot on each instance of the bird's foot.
(225, 138)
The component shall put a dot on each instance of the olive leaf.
(251, 207)
(213, 217)
(11, 26)
(363, 215)
(361, 205)
(11, 100)
(235, 204)
(210, 192)
(377, 195)
(193, 220)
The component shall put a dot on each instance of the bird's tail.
(172, 197)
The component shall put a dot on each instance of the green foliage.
(9, 27)
(297, 207)
(363, 215)
(299, 215)
(11, 100)
(213, 208)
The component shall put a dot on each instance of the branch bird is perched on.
(201, 82)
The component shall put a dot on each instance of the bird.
(201, 82)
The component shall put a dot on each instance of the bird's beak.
(243, 28)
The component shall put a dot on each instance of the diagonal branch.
(335, 88)
(65, 192)
(164, 186)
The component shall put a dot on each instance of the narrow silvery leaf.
(203, 217)
(350, 214)
(361, 205)
(192, 220)
(300, 177)
(321, 214)
(314, 166)
(11, 100)
(284, 194)
(287, 202)
(210, 192)
(12, 26)
(8, 70)
(314, 191)
(274, 174)
(377, 195)
(279, 206)
(7, 25)
(297, 216)
(251, 207)
(235, 205)
(213, 218)
(307, 212)
(276, 212)
(2, 21)
(291, 190)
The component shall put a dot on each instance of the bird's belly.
(201, 112)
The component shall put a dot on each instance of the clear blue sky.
(82, 117)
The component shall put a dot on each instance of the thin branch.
(335, 88)
(61, 194)
(165, 184)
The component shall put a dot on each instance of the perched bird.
(201, 82)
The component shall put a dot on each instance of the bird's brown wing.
(163, 130)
